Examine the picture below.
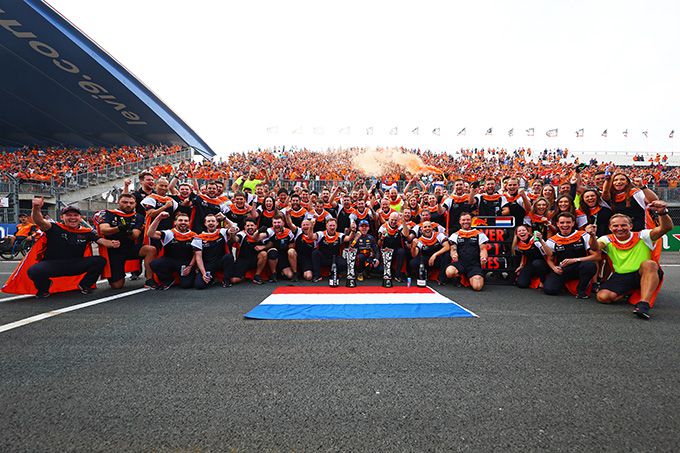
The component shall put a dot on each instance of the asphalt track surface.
(182, 370)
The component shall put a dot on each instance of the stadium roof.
(58, 87)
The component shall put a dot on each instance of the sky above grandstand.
(249, 74)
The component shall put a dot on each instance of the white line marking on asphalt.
(454, 302)
(50, 314)
(26, 296)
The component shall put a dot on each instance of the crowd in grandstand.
(469, 164)
(56, 164)
(579, 227)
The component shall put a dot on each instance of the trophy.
(351, 257)
(333, 281)
(387, 267)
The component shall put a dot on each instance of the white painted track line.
(50, 314)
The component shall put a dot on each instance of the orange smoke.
(381, 161)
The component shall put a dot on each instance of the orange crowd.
(552, 166)
(55, 164)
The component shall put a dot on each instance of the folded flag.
(364, 302)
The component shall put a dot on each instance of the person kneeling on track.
(367, 251)
(329, 243)
(125, 226)
(631, 256)
(249, 245)
(393, 235)
(177, 254)
(432, 248)
(281, 253)
(64, 253)
(211, 253)
(531, 249)
(305, 244)
(468, 253)
(571, 255)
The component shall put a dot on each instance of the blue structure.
(57, 87)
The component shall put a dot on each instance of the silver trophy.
(387, 267)
(351, 257)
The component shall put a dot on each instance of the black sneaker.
(440, 283)
(642, 310)
(86, 290)
(163, 287)
(317, 279)
(257, 280)
(43, 295)
(272, 279)
(227, 285)
(294, 278)
(135, 275)
(582, 296)
(150, 283)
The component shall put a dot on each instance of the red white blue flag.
(363, 302)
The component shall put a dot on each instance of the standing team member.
(631, 254)
(516, 201)
(238, 211)
(64, 251)
(212, 202)
(489, 202)
(177, 255)
(571, 255)
(160, 201)
(125, 226)
(468, 253)
(456, 204)
(147, 183)
(211, 253)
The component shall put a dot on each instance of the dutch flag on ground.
(364, 302)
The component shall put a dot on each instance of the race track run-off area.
(184, 370)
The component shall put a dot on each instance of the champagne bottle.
(334, 274)
(422, 273)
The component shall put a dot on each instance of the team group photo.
(434, 227)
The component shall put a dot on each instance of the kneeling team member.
(64, 253)
(433, 248)
(281, 253)
(468, 253)
(571, 255)
(125, 226)
(212, 254)
(631, 256)
(177, 252)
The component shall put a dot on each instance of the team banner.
(364, 302)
